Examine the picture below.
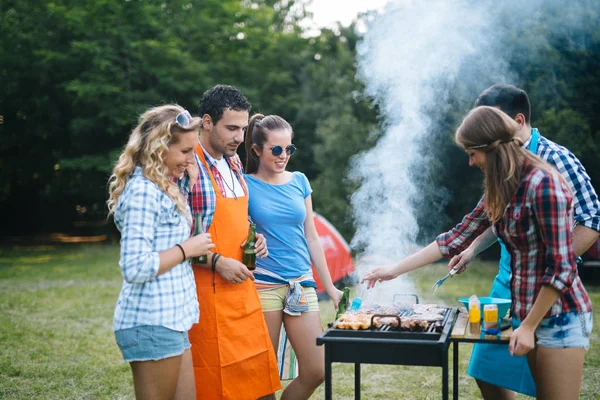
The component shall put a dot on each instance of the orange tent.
(337, 252)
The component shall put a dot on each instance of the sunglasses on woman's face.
(277, 150)
(183, 119)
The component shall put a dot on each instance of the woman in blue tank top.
(280, 205)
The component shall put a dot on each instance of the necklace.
(232, 182)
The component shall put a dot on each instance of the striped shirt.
(150, 222)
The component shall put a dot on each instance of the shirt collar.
(528, 142)
(210, 159)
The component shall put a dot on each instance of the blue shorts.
(151, 343)
(567, 330)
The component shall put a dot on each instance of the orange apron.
(231, 349)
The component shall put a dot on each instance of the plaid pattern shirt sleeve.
(462, 235)
(136, 218)
(150, 223)
(586, 205)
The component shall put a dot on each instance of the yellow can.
(474, 320)
(490, 316)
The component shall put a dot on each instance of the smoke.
(414, 57)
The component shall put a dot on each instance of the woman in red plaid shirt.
(529, 205)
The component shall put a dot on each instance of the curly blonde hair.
(148, 142)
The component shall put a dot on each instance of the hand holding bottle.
(232, 270)
(199, 245)
(335, 295)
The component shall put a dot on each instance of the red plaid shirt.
(202, 198)
(537, 230)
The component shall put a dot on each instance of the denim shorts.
(567, 330)
(151, 343)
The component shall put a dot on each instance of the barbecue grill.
(385, 345)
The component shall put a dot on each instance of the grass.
(57, 343)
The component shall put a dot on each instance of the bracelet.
(215, 257)
(182, 251)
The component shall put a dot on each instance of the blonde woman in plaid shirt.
(157, 304)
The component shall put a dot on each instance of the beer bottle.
(249, 258)
(198, 229)
(344, 303)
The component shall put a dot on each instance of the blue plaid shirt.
(586, 206)
(150, 222)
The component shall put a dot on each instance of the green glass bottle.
(249, 258)
(198, 229)
(344, 303)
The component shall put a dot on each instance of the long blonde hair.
(147, 144)
(492, 131)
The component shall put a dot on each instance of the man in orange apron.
(231, 349)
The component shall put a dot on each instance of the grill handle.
(385, 316)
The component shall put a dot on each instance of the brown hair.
(148, 142)
(492, 131)
(256, 134)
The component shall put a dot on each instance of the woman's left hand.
(260, 248)
(522, 341)
(336, 296)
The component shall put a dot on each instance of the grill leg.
(327, 372)
(455, 371)
(445, 375)
(357, 381)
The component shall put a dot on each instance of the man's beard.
(224, 149)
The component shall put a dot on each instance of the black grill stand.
(428, 349)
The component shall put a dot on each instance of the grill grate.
(432, 327)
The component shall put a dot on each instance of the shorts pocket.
(586, 324)
(127, 338)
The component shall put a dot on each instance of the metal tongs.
(440, 282)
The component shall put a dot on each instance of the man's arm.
(586, 206)
(583, 239)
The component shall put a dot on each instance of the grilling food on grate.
(413, 325)
(429, 317)
(392, 322)
(413, 317)
(354, 321)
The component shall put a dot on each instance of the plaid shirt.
(585, 203)
(202, 198)
(149, 223)
(536, 228)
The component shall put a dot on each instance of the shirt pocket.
(518, 221)
(169, 217)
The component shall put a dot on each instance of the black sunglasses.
(277, 150)
(183, 119)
